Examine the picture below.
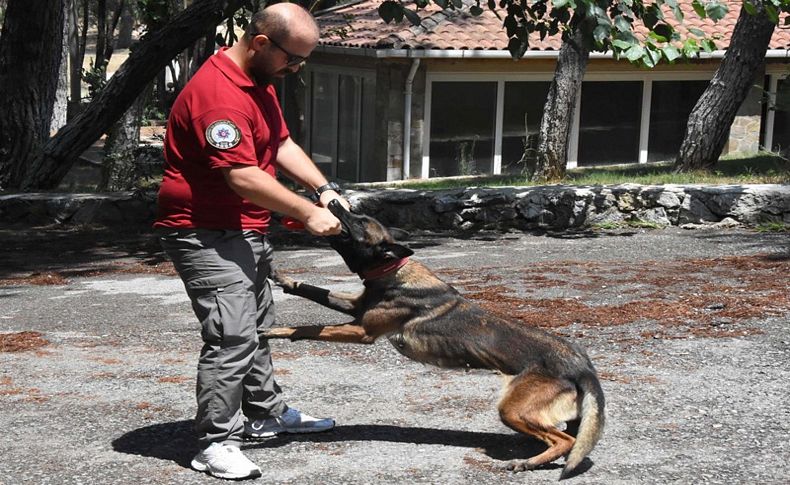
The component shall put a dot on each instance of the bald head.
(283, 21)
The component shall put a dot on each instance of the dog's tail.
(591, 425)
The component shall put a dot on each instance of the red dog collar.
(384, 270)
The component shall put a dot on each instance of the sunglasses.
(293, 60)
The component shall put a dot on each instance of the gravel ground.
(688, 330)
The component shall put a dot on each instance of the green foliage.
(610, 23)
(763, 168)
(632, 223)
(239, 19)
(773, 227)
(154, 13)
(96, 78)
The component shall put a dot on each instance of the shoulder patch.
(223, 134)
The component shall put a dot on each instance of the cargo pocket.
(226, 312)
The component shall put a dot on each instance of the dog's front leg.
(345, 332)
(342, 302)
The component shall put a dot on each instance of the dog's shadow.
(175, 441)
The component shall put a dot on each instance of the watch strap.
(330, 186)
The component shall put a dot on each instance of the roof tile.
(359, 25)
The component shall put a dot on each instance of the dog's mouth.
(342, 214)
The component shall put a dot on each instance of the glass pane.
(370, 171)
(348, 128)
(609, 122)
(323, 123)
(781, 140)
(524, 103)
(670, 106)
(462, 128)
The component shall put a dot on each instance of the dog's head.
(364, 242)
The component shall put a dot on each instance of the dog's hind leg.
(342, 302)
(533, 404)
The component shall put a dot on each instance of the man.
(225, 136)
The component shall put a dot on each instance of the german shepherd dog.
(550, 380)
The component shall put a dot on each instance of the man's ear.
(258, 41)
(396, 251)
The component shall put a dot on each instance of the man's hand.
(321, 222)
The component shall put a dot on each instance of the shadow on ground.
(176, 442)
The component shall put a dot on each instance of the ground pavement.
(688, 330)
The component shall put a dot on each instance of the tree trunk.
(30, 56)
(555, 126)
(119, 170)
(101, 34)
(125, 28)
(149, 57)
(710, 121)
(60, 108)
(109, 47)
(75, 60)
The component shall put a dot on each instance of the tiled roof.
(359, 25)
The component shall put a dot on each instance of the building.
(381, 102)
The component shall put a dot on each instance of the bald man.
(225, 138)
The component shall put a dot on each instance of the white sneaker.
(292, 421)
(225, 461)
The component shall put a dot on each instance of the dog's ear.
(396, 251)
(399, 234)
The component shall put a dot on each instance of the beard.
(263, 80)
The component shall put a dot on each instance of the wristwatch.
(330, 186)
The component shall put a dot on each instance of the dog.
(550, 380)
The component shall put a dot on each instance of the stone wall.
(554, 207)
(562, 207)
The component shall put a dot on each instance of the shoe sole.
(272, 434)
(202, 467)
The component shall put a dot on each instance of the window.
(781, 132)
(462, 128)
(349, 109)
(609, 122)
(323, 121)
(340, 119)
(523, 111)
(670, 106)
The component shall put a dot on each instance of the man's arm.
(297, 166)
(260, 188)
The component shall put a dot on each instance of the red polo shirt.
(220, 119)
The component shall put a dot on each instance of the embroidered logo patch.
(223, 134)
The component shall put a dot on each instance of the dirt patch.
(698, 297)
(21, 341)
(36, 279)
(176, 379)
(62, 277)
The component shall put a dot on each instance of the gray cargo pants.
(224, 272)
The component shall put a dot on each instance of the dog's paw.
(516, 466)
(282, 280)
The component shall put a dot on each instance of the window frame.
(336, 72)
(646, 78)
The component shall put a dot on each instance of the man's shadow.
(175, 441)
